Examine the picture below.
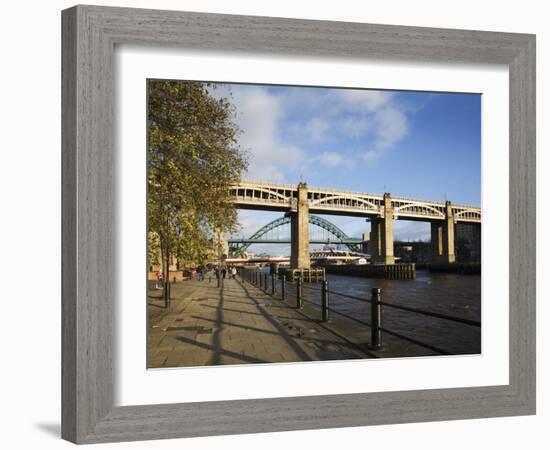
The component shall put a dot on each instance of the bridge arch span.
(466, 214)
(282, 221)
(419, 209)
(333, 200)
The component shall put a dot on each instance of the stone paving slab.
(240, 324)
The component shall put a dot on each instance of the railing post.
(299, 293)
(167, 294)
(376, 318)
(272, 284)
(324, 300)
(265, 281)
(283, 287)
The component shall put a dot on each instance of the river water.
(447, 293)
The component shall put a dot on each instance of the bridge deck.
(282, 197)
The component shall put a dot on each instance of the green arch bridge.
(240, 245)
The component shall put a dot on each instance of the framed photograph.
(278, 224)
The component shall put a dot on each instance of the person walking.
(159, 279)
(233, 272)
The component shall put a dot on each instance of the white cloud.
(351, 113)
(362, 99)
(331, 159)
(357, 126)
(370, 156)
(381, 115)
(391, 126)
(316, 129)
(374, 118)
(258, 115)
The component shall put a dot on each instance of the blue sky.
(423, 145)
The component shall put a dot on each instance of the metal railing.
(375, 301)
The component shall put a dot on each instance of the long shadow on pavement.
(282, 331)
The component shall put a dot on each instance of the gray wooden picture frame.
(89, 37)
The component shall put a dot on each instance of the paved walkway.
(239, 324)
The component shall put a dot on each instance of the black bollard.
(283, 287)
(299, 304)
(272, 284)
(324, 300)
(376, 318)
(166, 294)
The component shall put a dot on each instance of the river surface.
(451, 294)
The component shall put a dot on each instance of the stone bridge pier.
(221, 245)
(299, 230)
(381, 235)
(443, 238)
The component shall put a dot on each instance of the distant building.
(413, 251)
(365, 246)
(468, 242)
(360, 262)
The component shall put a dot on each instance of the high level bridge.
(299, 201)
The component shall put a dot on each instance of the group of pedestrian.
(223, 272)
(220, 272)
(200, 273)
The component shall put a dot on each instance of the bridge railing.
(268, 283)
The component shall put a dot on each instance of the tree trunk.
(166, 270)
